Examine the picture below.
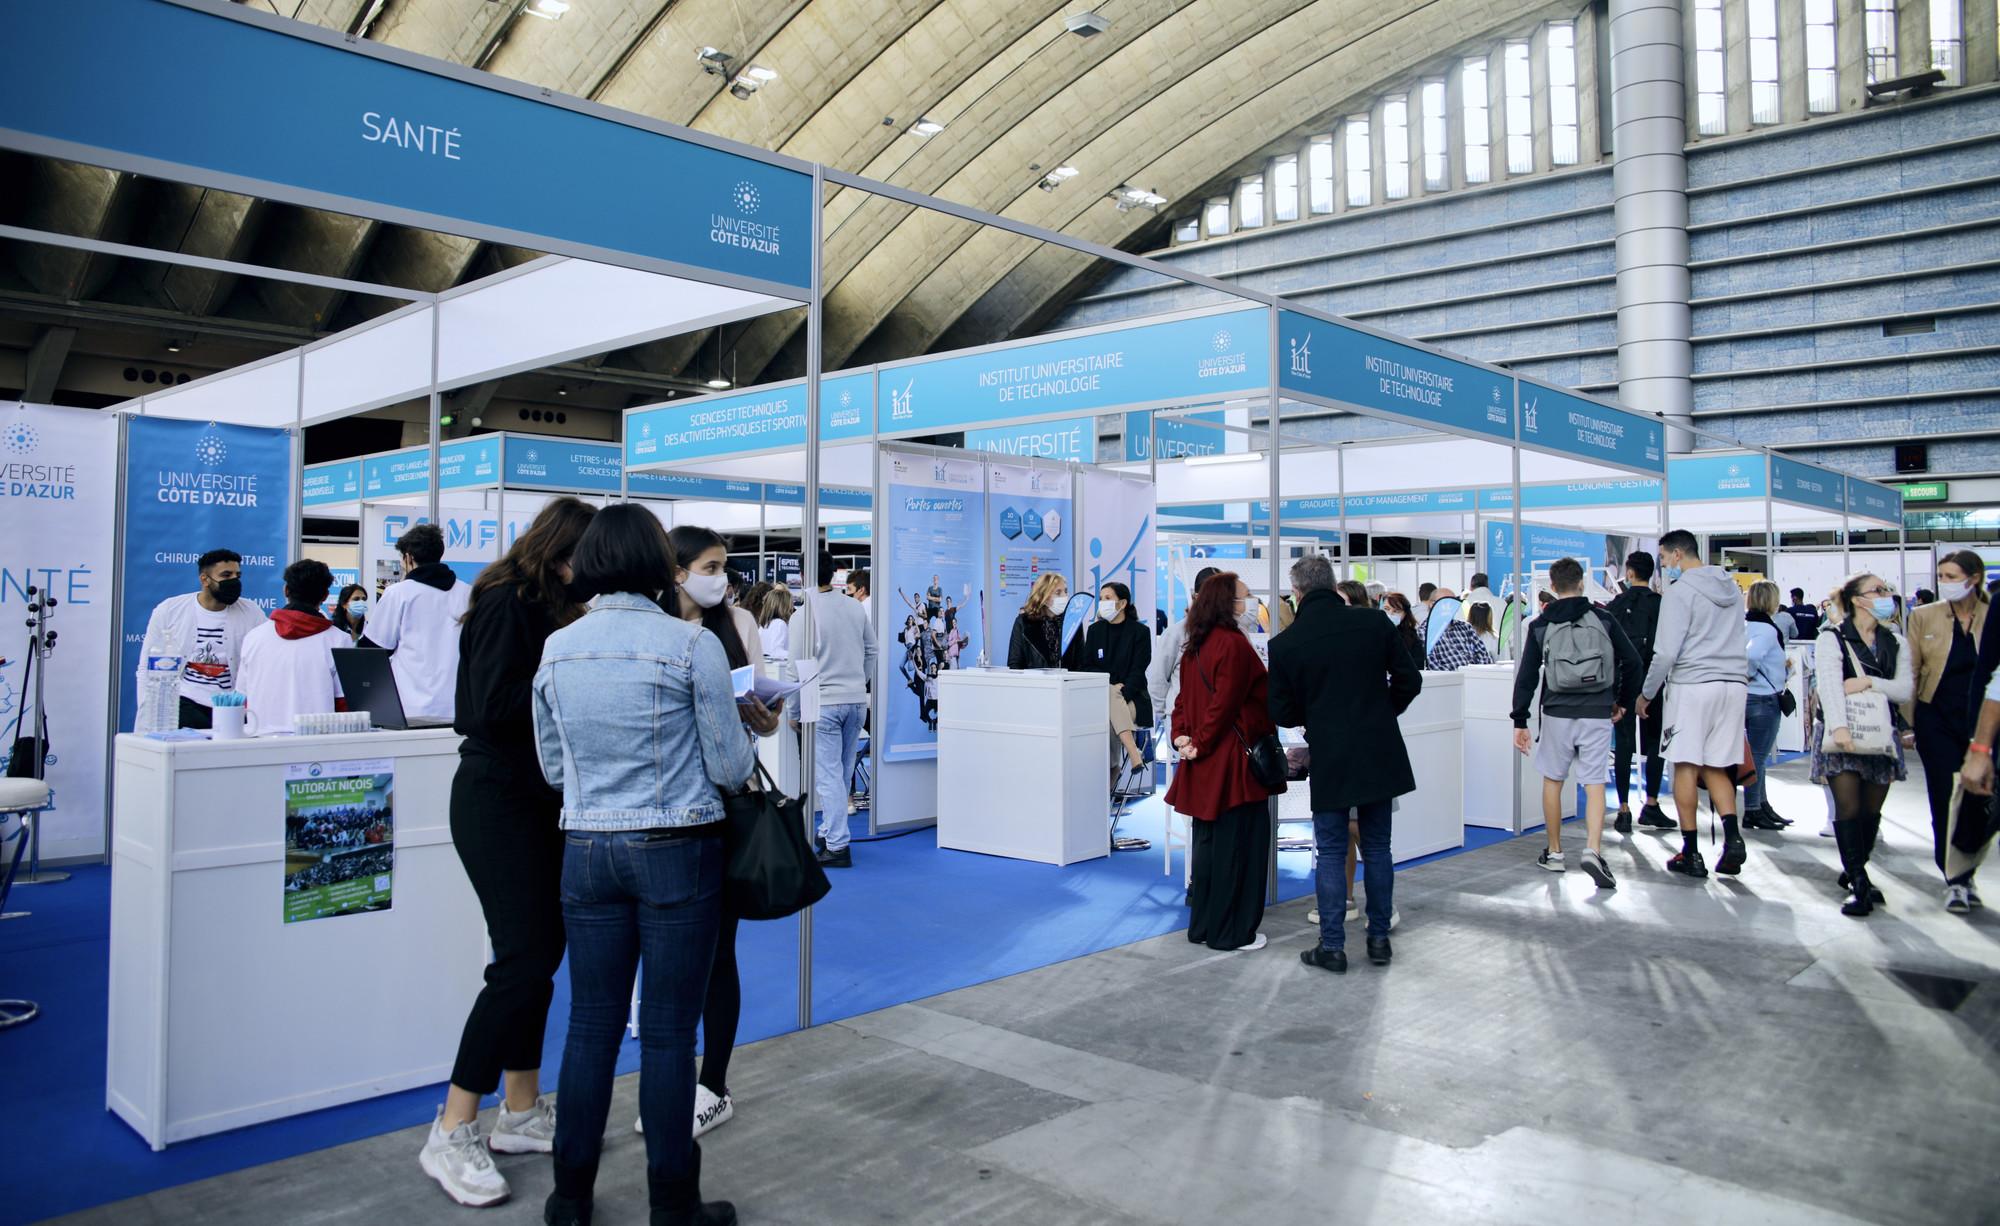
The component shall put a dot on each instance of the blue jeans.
(1379, 871)
(833, 767)
(1760, 721)
(628, 893)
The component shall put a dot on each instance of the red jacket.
(1219, 777)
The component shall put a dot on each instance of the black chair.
(22, 799)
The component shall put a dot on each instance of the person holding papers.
(417, 621)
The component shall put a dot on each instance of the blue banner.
(1545, 545)
(337, 482)
(469, 463)
(1175, 361)
(935, 589)
(370, 136)
(1805, 485)
(795, 496)
(569, 465)
(1185, 435)
(191, 487)
(1716, 478)
(397, 474)
(1880, 502)
(1072, 438)
(735, 423)
(1575, 425)
(1609, 492)
(1030, 530)
(851, 533)
(1340, 364)
(680, 485)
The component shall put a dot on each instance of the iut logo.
(1302, 356)
(899, 402)
(1528, 411)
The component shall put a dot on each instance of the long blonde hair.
(778, 605)
(1040, 595)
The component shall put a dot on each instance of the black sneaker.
(1334, 960)
(1378, 950)
(1623, 822)
(1733, 854)
(1652, 816)
(1761, 819)
(836, 859)
(1600, 872)
(1688, 863)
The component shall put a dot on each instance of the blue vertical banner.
(935, 586)
(190, 487)
(1030, 531)
(1545, 545)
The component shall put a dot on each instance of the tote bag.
(1870, 725)
(772, 870)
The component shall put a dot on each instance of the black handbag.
(1267, 756)
(1788, 703)
(772, 870)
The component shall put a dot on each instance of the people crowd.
(347, 826)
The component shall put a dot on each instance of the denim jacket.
(635, 719)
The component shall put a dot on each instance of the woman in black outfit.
(503, 823)
(1397, 606)
(1120, 646)
(1036, 641)
(351, 610)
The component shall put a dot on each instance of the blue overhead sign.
(765, 419)
(680, 485)
(396, 474)
(1173, 361)
(852, 533)
(1184, 435)
(1573, 425)
(1339, 364)
(795, 496)
(395, 140)
(1609, 492)
(561, 464)
(472, 463)
(1718, 478)
(326, 484)
(1879, 502)
(1073, 438)
(1805, 485)
(1423, 502)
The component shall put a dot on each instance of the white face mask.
(1107, 609)
(1950, 592)
(706, 590)
(1395, 618)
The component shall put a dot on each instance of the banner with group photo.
(933, 582)
(190, 487)
(59, 500)
(340, 838)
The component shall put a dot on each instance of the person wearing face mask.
(1118, 645)
(1698, 650)
(417, 622)
(1404, 619)
(1637, 609)
(1944, 658)
(1036, 640)
(1863, 653)
(207, 627)
(350, 612)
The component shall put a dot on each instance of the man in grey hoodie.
(1699, 648)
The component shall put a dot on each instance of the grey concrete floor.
(1671, 1052)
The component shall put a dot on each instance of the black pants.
(1232, 856)
(1634, 734)
(194, 715)
(1943, 752)
(503, 822)
(722, 1009)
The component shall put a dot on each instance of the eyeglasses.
(1876, 591)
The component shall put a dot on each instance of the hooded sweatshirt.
(1700, 636)
(1624, 692)
(287, 669)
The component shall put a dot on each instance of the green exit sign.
(1928, 491)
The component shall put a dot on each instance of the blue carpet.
(905, 923)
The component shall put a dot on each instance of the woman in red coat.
(1222, 709)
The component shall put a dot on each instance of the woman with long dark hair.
(504, 825)
(703, 556)
(1223, 708)
(636, 720)
(350, 611)
(1397, 607)
(1944, 659)
(1118, 645)
(1862, 653)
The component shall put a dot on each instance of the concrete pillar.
(1792, 92)
(1416, 114)
(1496, 113)
(1851, 41)
(1982, 55)
(1589, 140)
(1649, 185)
(1454, 126)
(1736, 65)
(1913, 36)
(1538, 92)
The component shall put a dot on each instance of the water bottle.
(159, 688)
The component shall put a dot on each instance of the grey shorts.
(1582, 746)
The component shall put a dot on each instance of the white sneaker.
(1957, 900)
(525, 1132)
(461, 1165)
(1353, 910)
(1312, 916)
(1551, 860)
(1395, 918)
(1828, 832)
(1252, 947)
(711, 1112)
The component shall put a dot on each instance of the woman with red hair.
(1221, 711)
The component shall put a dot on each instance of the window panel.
(1250, 201)
(1187, 229)
(1319, 175)
(1520, 111)
(1947, 41)
(1763, 17)
(1710, 71)
(1359, 188)
(1878, 26)
(1565, 146)
(1478, 123)
(1822, 57)
(1396, 147)
(1215, 216)
(1285, 188)
(1437, 152)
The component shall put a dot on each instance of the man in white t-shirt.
(288, 661)
(206, 627)
(417, 620)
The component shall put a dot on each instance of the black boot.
(1850, 838)
(677, 1202)
(569, 1204)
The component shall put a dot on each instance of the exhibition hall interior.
(944, 611)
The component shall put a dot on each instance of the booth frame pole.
(116, 685)
(1340, 487)
(809, 568)
(1276, 560)
(297, 540)
(1771, 544)
(436, 411)
(1520, 566)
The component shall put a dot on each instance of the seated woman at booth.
(1036, 641)
(1118, 646)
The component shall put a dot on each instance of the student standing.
(288, 660)
(1637, 609)
(207, 627)
(1340, 673)
(1699, 650)
(505, 827)
(845, 649)
(1944, 659)
(1163, 675)
(636, 721)
(1403, 618)
(1805, 617)
(417, 622)
(1223, 707)
(1764, 641)
(1588, 672)
(1863, 653)
(1120, 647)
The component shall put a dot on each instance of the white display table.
(1490, 754)
(1024, 764)
(221, 1013)
(1430, 819)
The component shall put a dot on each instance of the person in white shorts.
(1589, 673)
(1699, 649)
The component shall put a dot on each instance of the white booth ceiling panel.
(265, 394)
(377, 364)
(850, 464)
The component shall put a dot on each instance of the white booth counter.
(1490, 754)
(1024, 764)
(224, 1014)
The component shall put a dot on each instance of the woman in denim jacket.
(636, 722)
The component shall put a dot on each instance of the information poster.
(937, 566)
(1118, 536)
(1029, 532)
(340, 838)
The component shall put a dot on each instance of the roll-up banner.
(58, 488)
(1545, 545)
(1030, 531)
(191, 487)
(934, 582)
(1118, 545)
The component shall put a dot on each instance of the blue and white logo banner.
(1030, 524)
(397, 474)
(1178, 437)
(1879, 502)
(932, 578)
(740, 423)
(1118, 536)
(330, 484)
(469, 463)
(1072, 438)
(1574, 425)
(1339, 364)
(1545, 545)
(1716, 478)
(1805, 485)
(1609, 492)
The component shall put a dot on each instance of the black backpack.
(1638, 613)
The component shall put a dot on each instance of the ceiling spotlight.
(1086, 25)
(927, 127)
(1055, 178)
(714, 63)
(174, 345)
(1129, 197)
(718, 384)
(742, 90)
(562, 391)
(547, 10)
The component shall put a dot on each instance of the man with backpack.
(1589, 674)
(1637, 609)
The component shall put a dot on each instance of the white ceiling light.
(547, 10)
(1232, 457)
(760, 74)
(1057, 177)
(1086, 25)
(1129, 197)
(718, 384)
(927, 127)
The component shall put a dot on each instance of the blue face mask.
(357, 608)
(1671, 573)
(1883, 607)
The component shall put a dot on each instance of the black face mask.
(228, 591)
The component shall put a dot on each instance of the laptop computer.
(369, 684)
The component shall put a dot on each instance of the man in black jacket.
(1592, 676)
(1637, 609)
(1341, 674)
